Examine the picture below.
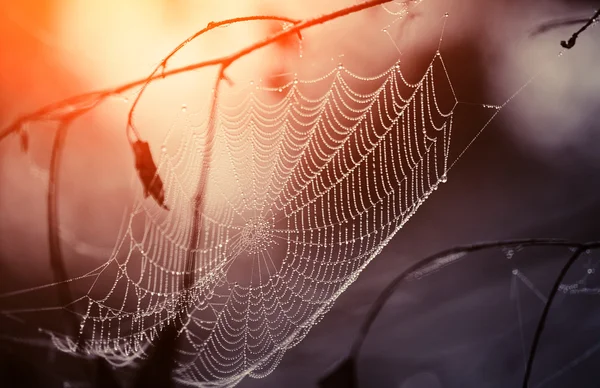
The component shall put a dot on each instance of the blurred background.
(533, 172)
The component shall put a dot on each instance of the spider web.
(308, 182)
(303, 192)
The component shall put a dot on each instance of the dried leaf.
(148, 173)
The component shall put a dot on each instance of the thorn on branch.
(148, 172)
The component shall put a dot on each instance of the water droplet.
(515, 271)
(125, 100)
(280, 90)
(340, 66)
(183, 107)
(295, 82)
(163, 148)
(590, 271)
(384, 30)
(444, 178)
(446, 14)
(251, 82)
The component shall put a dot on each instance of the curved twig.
(347, 365)
(389, 290)
(573, 39)
(544, 317)
(554, 24)
(167, 338)
(100, 95)
(163, 64)
(57, 265)
(145, 165)
(66, 110)
(194, 241)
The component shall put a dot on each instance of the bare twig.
(389, 290)
(144, 163)
(573, 39)
(66, 110)
(147, 169)
(195, 239)
(53, 111)
(159, 367)
(163, 64)
(544, 317)
(56, 259)
(346, 369)
(167, 338)
(554, 24)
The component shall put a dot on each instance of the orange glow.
(53, 49)
(118, 41)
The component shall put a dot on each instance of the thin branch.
(163, 64)
(164, 352)
(166, 338)
(56, 259)
(95, 97)
(573, 39)
(145, 165)
(544, 317)
(389, 290)
(345, 371)
(65, 111)
(196, 235)
(554, 24)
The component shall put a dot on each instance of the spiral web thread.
(308, 182)
(303, 192)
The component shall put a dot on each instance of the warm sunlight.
(212, 193)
